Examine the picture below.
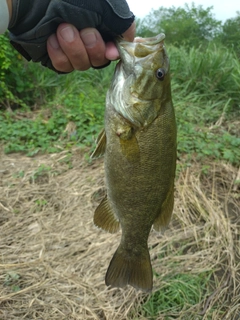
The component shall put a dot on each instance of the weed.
(40, 174)
(178, 293)
(205, 86)
(12, 280)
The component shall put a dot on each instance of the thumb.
(129, 34)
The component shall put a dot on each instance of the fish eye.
(160, 74)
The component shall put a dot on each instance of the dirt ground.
(53, 259)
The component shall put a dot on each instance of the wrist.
(4, 15)
(9, 3)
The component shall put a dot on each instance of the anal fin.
(104, 217)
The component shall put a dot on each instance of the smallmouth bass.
(139, 148)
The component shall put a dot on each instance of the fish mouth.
(140, 47)
(151, 40)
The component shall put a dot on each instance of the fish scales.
(139, 146)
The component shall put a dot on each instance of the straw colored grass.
(53, 260)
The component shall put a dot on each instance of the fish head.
(141, 81)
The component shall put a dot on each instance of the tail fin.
(135, 270)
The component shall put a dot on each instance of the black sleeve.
(33, 21)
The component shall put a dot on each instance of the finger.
(129, 34)
(111, 51)
(73, 46)
(59, 59)
(95, 46)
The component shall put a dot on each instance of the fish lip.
(123, 45)
(151, 40)
(147, 41)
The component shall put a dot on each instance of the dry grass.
(53, 260)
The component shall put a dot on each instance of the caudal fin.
(135, 270)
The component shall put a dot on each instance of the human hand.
(70, 49)
(32, 30)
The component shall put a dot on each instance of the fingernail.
(68, 34)
(53, 42)
(89, 38)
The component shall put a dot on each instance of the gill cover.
(135, 90)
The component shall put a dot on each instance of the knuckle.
(98, 59)
(82, 68)
(62, 64)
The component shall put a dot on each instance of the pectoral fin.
(104, 217)
(130, 149)
(101, 145)
(128, 143)
(165, 214)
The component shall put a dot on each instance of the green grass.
(206, 129)
(76, 98)
(211, 73)
(205, 88)
(177, 293)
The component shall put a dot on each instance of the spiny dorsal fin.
(101, 145)
(164, 216)
(104, 217)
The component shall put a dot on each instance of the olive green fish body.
(140, 158)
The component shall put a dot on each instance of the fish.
(138, 143)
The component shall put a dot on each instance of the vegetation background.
(45, 113)
(36, 104)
